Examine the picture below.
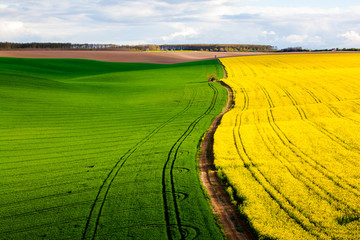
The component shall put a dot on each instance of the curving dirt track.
(222, 206)
(125, 56)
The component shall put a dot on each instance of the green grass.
(99, 150)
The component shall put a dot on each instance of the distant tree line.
(218, 47)
(294, 49)
(300, 49)
(37, 45)
(338, 49)
(145, 47)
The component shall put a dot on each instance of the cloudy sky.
(283, 23)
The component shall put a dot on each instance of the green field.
(99, 150)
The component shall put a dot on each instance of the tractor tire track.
(337, 180)
(321, 129)
(93, 219)
(283, 202)
(299, 174)
(337, 114)
(170, 200)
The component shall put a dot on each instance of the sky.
(313, 24)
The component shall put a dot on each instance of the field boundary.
(229, 217)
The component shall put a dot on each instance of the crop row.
(293, 158)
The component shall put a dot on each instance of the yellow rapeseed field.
(290, 147)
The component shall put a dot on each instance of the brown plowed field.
(125, 56)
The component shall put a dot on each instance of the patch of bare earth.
(234, 225)
(133, 56)
(124, 56)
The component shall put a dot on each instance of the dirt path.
(228, 216)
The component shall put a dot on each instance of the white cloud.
(351, 39)
(188, 21)
(351, 36)
(128, 12)
(12, 29)
(268, 33)
(183, 33)
(295, 39)
(303, 39)
(316, 40)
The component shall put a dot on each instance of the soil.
(229, 217)
(133, 56)
(124, 56)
